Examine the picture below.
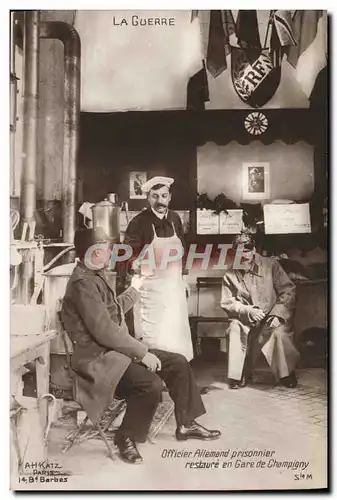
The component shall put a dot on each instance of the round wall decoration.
(256, 123)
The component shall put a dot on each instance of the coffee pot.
(106, 214)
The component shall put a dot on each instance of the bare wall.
(113, 145)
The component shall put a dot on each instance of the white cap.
(167, 181)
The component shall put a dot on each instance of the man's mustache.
(160, 205)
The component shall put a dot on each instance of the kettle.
(106, 215)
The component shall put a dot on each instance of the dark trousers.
(142, 390)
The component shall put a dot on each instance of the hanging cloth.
(309, 56)
(281, 35)
(247, 29)
(216, 57)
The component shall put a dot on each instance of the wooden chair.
(100, 428)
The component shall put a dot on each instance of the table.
(32, 348)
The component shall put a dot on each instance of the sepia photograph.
(169, 217)
(255, 181)
(137, 179)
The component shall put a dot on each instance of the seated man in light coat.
(260, 301)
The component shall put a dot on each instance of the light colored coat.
(266, 286)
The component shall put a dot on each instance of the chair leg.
(73, 438)
(192, 328)
(154, 431)
(97, 430)
(198, 346)
(114, 414)
(107, 444)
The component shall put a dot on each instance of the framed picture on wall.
(255, 181)
(136, 180)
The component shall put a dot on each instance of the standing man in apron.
(156, 235)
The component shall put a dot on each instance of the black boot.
(196, 431)
(290, 381)
(127, 449)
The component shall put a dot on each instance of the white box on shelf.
(207, 222)
(231, 221)
(285, 219)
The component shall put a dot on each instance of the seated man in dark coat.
(107, 360)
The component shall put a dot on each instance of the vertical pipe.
(12, 21)
(12, 163)
(30, 115)
(72, 70)
(71, 137)
(12, 101)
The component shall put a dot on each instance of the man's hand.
(257, 314)
(136, 266)
(137, 281)
(274, 321)
(151, 362)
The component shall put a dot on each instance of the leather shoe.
(237, 384)
(127, 449)
(290, 381)
(195, 431)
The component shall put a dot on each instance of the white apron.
(161, 315)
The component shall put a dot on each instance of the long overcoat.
(93, 317)
(266, 286)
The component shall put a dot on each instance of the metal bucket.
(54, 289)
(55, 284)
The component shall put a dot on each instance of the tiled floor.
(290, 425)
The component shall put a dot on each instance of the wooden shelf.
(21, 244)
(24, 245)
